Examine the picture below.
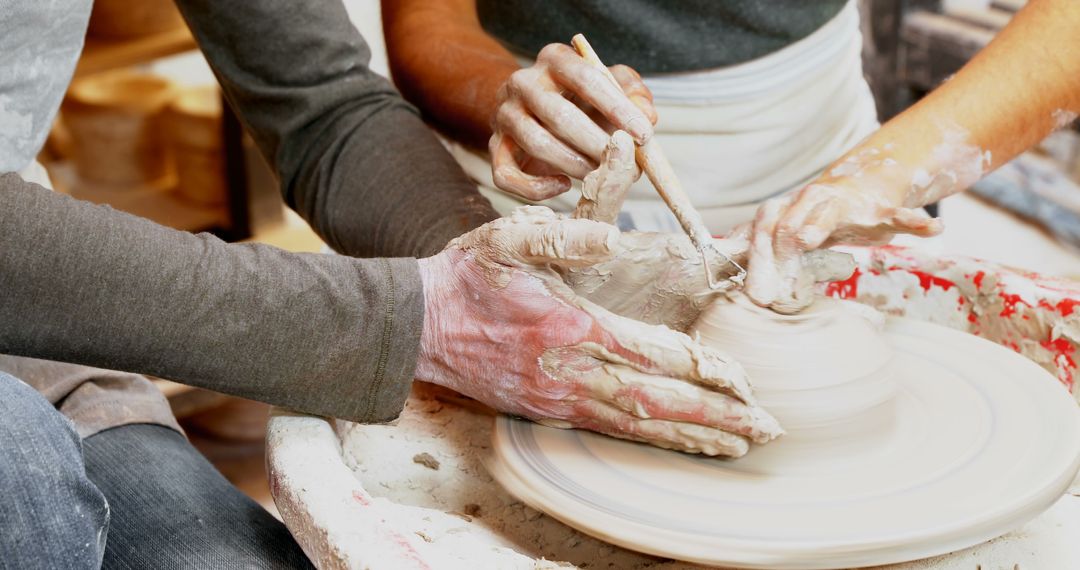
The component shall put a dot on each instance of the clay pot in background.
(193, 129)
(123, 19)
(113, 121)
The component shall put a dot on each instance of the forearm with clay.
(1019, 88)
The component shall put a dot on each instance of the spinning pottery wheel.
(902, 444)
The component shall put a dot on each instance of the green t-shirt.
(655, 36)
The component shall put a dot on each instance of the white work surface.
(364, 496)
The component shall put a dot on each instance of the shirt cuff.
(393, 340)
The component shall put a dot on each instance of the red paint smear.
(360, 498)
(1064, 306)
(896, 249)
(926, 280)
(1062, 350)
(408, 550)
(972, 318)
(977, 280)
(846, 289)
(1010, 302)
(960, 301)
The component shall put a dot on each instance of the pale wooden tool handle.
(651, 159)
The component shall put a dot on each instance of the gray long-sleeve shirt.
(329, 335)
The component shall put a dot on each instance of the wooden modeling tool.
(650, 157)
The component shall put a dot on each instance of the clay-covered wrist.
(434, 271)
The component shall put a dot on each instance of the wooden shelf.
(102, 55)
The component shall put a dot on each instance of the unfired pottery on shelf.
(905, 440)
(115, 133)
(193, 129)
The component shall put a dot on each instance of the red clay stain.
(897, 249)
(1065, 306)
(846, 289)
(1063, 351)
(978, 279)
(407, 550)
(926, 280)
(1010, 302)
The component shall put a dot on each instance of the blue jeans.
(135, 496)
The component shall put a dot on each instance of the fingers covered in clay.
(665, 374)
(680, 436)
(657, 278)
(634, 87)
(820, 215)
(536, 91)
(538, 142)
(763, 279)
(605, 188)
(536, 236)
(510, 175)
(915, 221)
(656, 397)
(558, 114)
(503, 327)
(571, 72)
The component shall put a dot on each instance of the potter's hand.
(659, 278)
(833, 210)
(502, 327)
(553, 120)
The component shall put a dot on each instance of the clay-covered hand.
(659, 278)
(553, 120)
(833, 210)
(502, 327)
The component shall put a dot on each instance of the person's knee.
(172, 509)
(50, 506)
(27, 415)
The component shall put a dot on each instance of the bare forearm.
(444, 62)
(1023, 85)
(1018, 89)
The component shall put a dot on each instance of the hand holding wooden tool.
(650, 157)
